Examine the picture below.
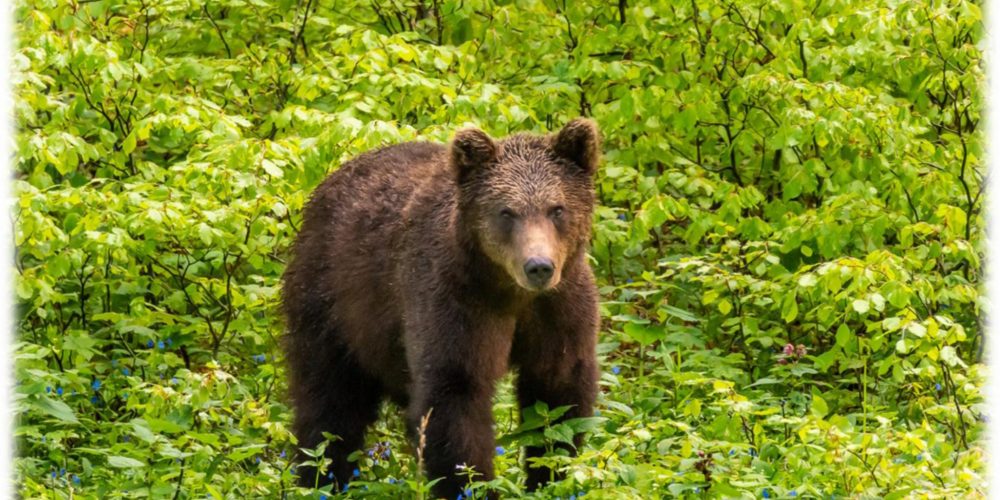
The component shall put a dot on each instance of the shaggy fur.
(412, 280)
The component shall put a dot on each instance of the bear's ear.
(580, 142)
(471, 149)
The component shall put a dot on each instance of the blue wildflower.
(126, 371)
(732, 452)
(937, 387)
(282, 455)
(392, 480)
(94, 400)
(170, 342)
(149, 344)
(43, 439)
(616, 370)
(48, 389)
(329, 475)
(257, 459)
(920, 456)
(697, 489)
(76, 479)
(53, 474)
(59, 391)
(160, 345)
(126, 438)
(62, 472)
(629, 280)
(96, 384)
(500, 450)
(174, 381)
(467, 492)
(793, 493)
(322, 497)
(356, 472)
(572, 497)
(622, 217)
(766, 493)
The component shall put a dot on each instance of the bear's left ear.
(580, 142)
(471, 149)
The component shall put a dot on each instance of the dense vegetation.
(789, 237)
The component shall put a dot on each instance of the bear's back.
(344, 258)
(363, 200)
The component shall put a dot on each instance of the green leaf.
(844, 335)
(725, 307)
(142, 430)
(678, 313)
(560, 433)
(272, 169)
(950, 356)
(128, 145)
(57, 409)
(584, 424)
(861, 306)
(23, 289)
(819, 407)
(643, 334)
(807, 280)
(916, 329)
(205, 233)
(891, 324)
(124, 462)
(789, 308)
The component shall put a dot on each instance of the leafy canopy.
(788, 238)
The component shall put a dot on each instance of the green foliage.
(789, 237)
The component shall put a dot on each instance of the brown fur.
(408, 281)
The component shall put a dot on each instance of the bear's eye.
(507, 213)
(556, 212)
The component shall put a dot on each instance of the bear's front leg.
(554, 349)
(455, 369)
(458, 437)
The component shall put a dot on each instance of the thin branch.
(229, 53)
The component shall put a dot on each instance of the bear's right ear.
(471, 149)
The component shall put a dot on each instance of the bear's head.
(527, 200)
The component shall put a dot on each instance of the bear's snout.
(539, 271)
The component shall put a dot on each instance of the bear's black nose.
(539, 271)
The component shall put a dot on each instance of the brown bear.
(422, 273)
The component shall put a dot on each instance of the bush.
(789, 237)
